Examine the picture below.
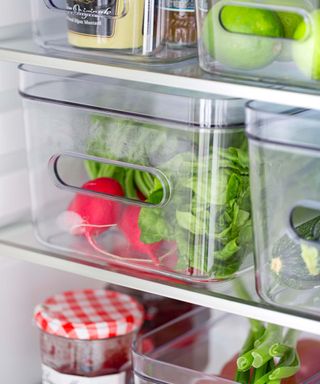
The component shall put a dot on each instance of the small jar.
(86, 336)
(179, 23)
(105, 24)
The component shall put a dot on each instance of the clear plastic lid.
(282, 124)
(137, 99)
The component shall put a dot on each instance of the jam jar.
(86, 336)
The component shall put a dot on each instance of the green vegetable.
(209, 212)
(298, 266)
(256, 364)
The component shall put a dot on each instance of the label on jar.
(178, 5)
(92, 17)
(50, 376)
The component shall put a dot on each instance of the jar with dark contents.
(158, 310)
(179, 27)
(88, 335)
(161, 310)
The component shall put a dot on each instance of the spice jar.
(86, 336)
(105, 24)
(179, 23)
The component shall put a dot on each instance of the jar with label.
(86, 336)
(105, 24)
(179, 28)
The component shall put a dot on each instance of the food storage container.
(176, 360)
(137, 176)
(270, 40)
(87, 334)
(147, 31)
(284, 166)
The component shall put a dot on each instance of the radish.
(129, 224)
(95, 214)
(90, 216)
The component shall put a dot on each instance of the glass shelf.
(18, 241)
(17, 45)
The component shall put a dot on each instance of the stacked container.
(178, 202)
(284, 166)
(268, 40)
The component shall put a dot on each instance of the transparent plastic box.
(284, 164)
(270, 40)
(177, 358)
(172, 197)
(156, 31)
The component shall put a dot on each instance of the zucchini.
(297, 265)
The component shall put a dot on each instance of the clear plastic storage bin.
(285, 181)
(270, 40)
(175, 351)
(141, 30)
(138, 176)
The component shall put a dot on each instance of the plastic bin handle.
(104, 11)
(268, 6)
(60, 183)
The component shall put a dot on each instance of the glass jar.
(105, 24)
(88, 335)
(179, 23)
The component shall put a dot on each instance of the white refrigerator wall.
(22, 285)
(14, 191)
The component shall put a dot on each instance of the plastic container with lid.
(285, 179)
(143, 178)
(178, 359)
(270, 40)
(88, 334)
(135, 30)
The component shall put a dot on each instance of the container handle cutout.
(266, 6)
(304, 221)
(107, 11)
(71, 170)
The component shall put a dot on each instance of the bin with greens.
(204, 230)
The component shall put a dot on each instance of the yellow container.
(118, 26)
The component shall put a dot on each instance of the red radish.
(97, 214)
(129, 224)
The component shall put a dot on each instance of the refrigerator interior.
(22, 286)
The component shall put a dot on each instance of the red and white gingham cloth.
(89, 314)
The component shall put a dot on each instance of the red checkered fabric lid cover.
(89, 314)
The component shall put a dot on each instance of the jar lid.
(89, 314)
